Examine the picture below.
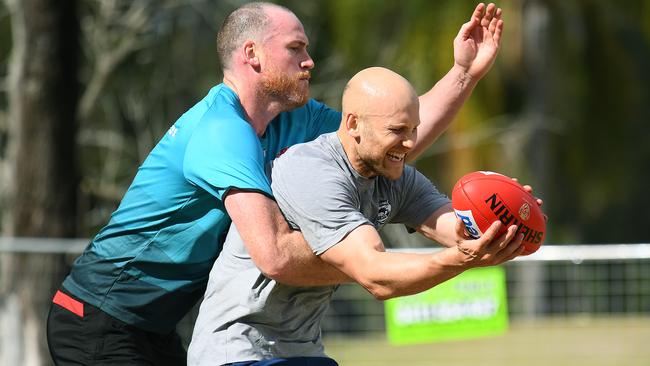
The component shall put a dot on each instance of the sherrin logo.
(507, 217)
(524, 211)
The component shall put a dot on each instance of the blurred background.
(88, 87)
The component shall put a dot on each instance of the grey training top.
(247, 316)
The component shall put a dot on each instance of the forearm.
(401, 274)
(392, 275)
(301, 266)
(361, 255)
(277, 251)
(441, 227)
(440, 105)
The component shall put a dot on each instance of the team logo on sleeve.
(383, 212)
(282, 151)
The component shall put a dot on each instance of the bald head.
(381, 112)
(378, 91)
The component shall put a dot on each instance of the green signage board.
(473, 304)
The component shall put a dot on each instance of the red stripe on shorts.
(69, 303)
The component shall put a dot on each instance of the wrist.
(452, 259)
(462, 77)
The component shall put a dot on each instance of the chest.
(376, 202)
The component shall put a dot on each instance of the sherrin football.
(480, 198)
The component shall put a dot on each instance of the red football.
(480, 198)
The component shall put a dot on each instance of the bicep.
(440, 226)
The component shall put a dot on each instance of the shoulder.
(311, 158)
(314, 117)
(220, 121)
(311, 167)
(222, 110)
(312, 107)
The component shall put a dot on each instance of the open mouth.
(396, 157)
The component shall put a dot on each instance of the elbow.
(275, 268)
(381, 291)
(273, 264)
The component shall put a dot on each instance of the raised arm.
(475, 49)
(361, 256)
(280, 253)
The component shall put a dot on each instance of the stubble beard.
(374, 163)
(291, 91)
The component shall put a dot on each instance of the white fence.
(558, 280)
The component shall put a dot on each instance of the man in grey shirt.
(338, 190)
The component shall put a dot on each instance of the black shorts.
(81, 334)
(293, 361)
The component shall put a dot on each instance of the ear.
(250, 55)
(352, 124)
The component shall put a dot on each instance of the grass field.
(550, 342)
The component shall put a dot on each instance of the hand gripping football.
(480, 198)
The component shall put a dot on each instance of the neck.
(349, 147)
(259, 111)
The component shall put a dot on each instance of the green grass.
(543, 342)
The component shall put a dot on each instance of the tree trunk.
(43, 179)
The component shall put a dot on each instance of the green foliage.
(565, 107)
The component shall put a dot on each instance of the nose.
(409, 140)
(308, 63)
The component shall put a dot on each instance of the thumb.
(466, 29)
(492, 232)
(460, 229)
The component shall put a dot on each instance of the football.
(482, 197)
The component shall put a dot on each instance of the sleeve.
(221, 155)
(419, 198)
(319, 202)
(323, 119)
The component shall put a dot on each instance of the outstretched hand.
(477, 43)
(492, 248)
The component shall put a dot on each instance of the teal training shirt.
(150, 264)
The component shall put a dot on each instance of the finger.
(519, 251)
(490, 11)
(466, 29)
(512, 250)
(493, 25)
(490, 234)
(460, 228)
(529, 189)
(478, 11)
(497, 33)
(489, 14)
(503, 241)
